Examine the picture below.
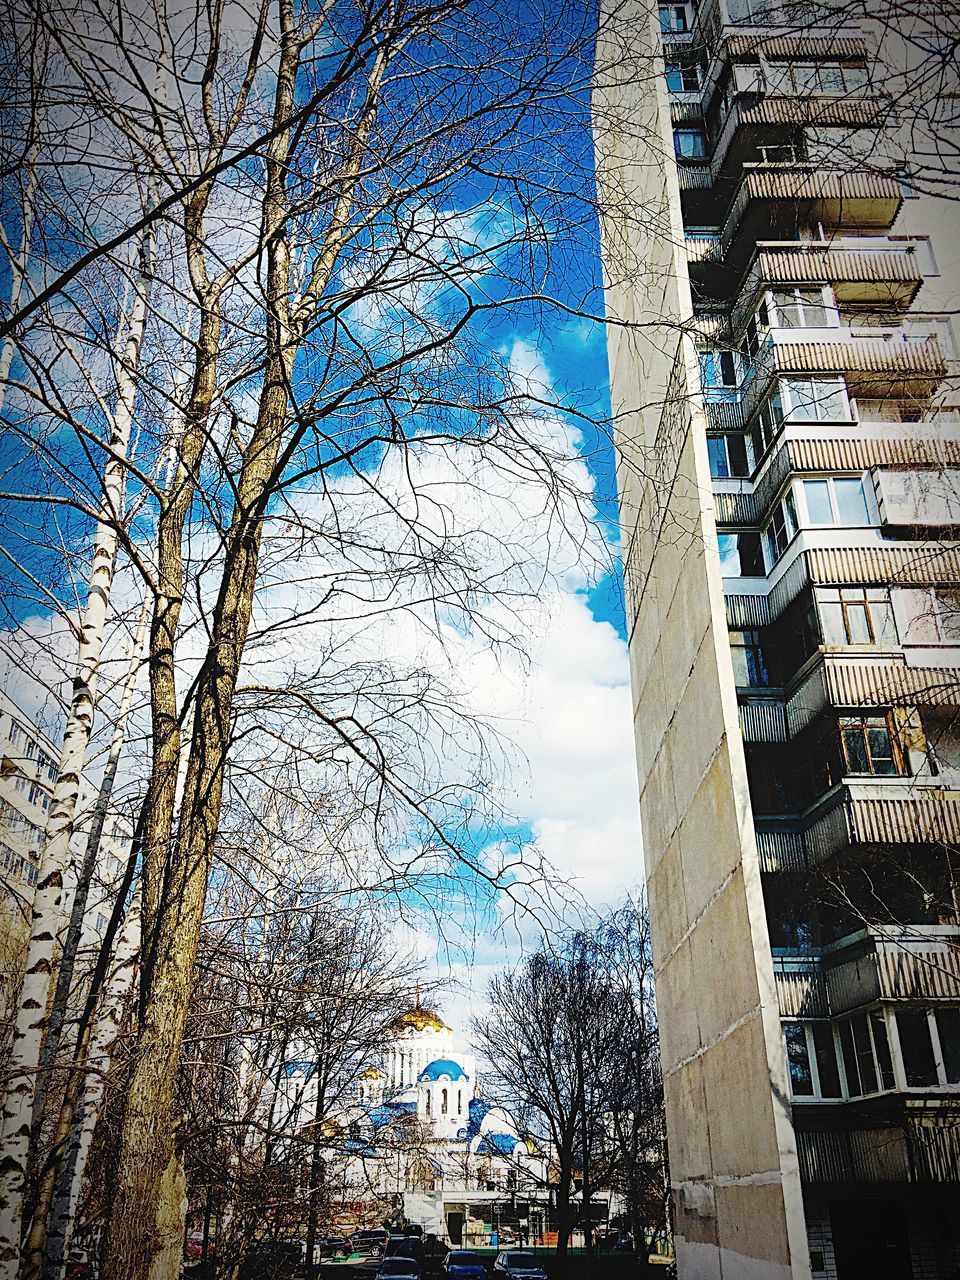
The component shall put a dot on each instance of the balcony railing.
(912, 962)
(892, 362)
(888, 811)
(892, 274)
(836, 198)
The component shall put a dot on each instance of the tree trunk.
(48, 898)
(60, 1195)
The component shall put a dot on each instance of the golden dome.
(371, 1073)
(419, 1019)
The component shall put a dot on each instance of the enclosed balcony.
(888, 274)
(882, 812)
(889, 363)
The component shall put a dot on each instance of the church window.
(459, 1102)
(443, 1102)
(428, 1102)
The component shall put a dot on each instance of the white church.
(420, 1132)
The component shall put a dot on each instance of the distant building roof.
(443, 1067)
(371, 1073)
(476, 1111)
(419, 1019)
(388, 1112)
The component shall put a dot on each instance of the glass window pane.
(881, 616)
(849, 1060)
(831, 77)
(826, 1060)
(916, 1048)
(831, 400)
(858, 630)
(831, 622)
(737, 455)
(790, 512)
(729, 555)
(881, 750)
(751, 555)
(798, 1060)
(717, 451)
(855, 750)
(851, 504)
(948, 1025)
(803, 400)
(882, 1045)
(817, 494)
(864, 1047)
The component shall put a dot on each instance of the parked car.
(372, 1241)
(461, 1264)
(332, 1247)
(399, 1269)
(405, 1247)
(518, 1266)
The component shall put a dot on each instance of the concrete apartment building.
(781, 358)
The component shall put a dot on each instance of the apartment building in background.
(28, 771)
(783, 359)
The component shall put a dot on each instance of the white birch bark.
(19, 264)
(102, 1042)
(48, 898)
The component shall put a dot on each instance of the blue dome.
(443, 1067)
(498, 1144)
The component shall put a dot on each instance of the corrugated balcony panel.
(724, 415)
(789, 586)
(702, 249)
(828, 834)
(905, 566)
(926, 817)
(824, 1155)
(851, 198)
(763, 720)
(856, 680)
(892, 276)
(735, 508)
(870, 364)
(747, 612)
(862, 452)
(694, 177)
(934, 1136)
(780, 849)
(797, 45)
(801, 991)
(808, 700)
(912, 964)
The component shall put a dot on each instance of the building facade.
(783, 358)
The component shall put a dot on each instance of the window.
(927, 615)
(869, 747)
(750, 668)
(20, 783)
(47, 766)
(782, 527)
(756, 328)
(835, 501)
(812, 1059)
(865, 1053)
(683, 77)
(673, 18)
(815, 399)
(428, 1102)
(30, 749)
(740, 555)
(801, 309)
(718, 368)
(856, 615)
(813, 77)
(916, 1048)
(16, 731)
(444, 1102)
(948, 1029)
(728, 456)
(30, 873)
(798, 1059)
(689, 144)
(37, 795)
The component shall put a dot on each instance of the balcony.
(902, 962)
(888, 363)
(890, 275)
(776, 200)
(880, 812)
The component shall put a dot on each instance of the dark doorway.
(869, 1240)
(455, 1229)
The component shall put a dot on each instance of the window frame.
(807, 311)
(836, 521)
(782, 527)
(871, 599)
(862, 723)
(683, 71)
(791, 402)
(695, 134)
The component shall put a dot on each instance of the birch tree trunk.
(48, 898)
(66, 1204)
(19, 265)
